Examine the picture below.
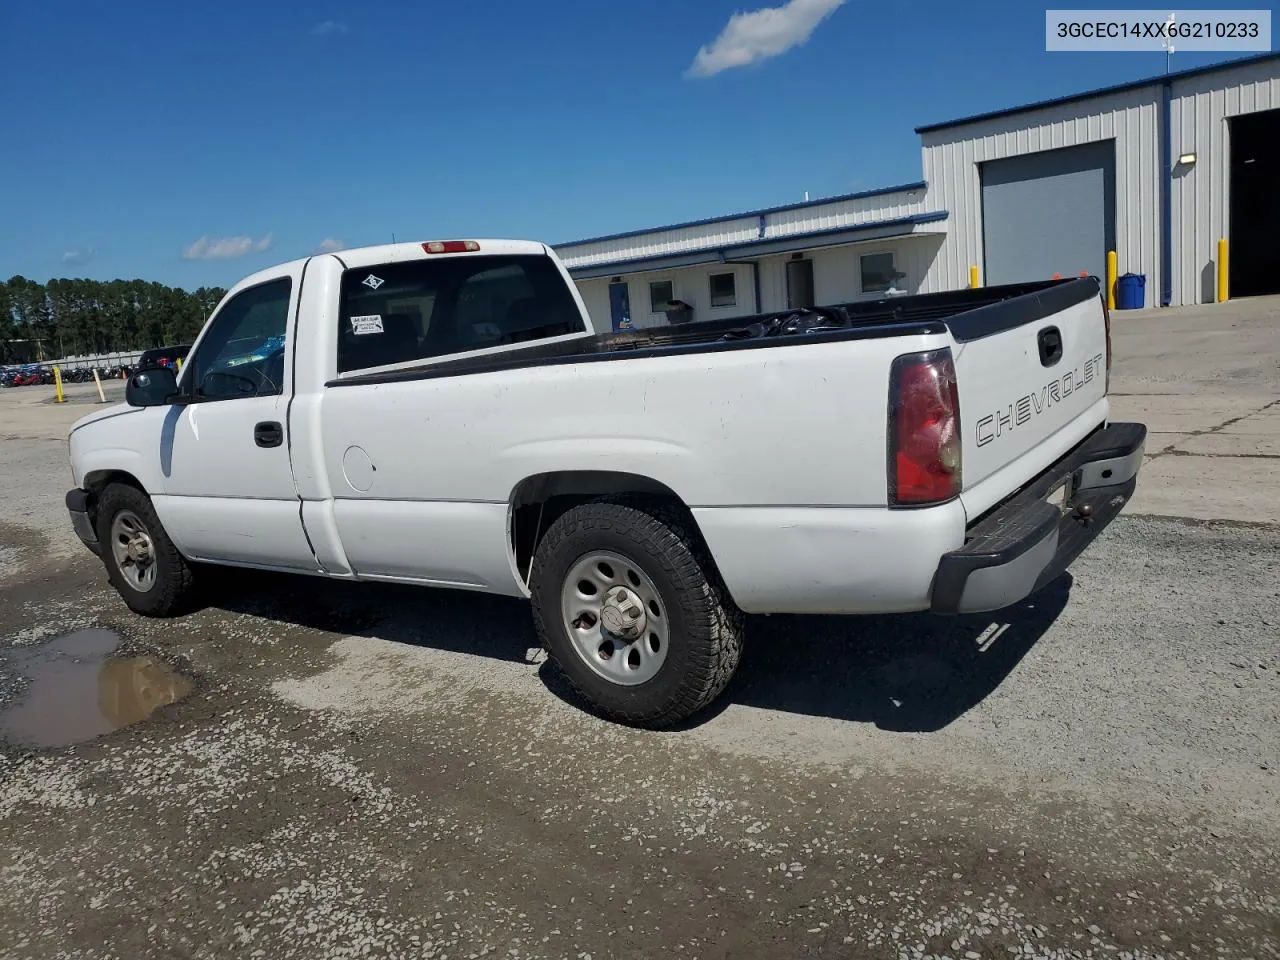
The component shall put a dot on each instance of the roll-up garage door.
(1049, 212)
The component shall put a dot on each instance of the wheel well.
(539, 500)
(97, 481)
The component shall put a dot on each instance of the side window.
(242, 354)
(399, 312)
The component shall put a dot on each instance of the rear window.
(399, 312)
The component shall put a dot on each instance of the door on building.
(620, 305)
(1049, 212)
(799, 284)
(1254, 258)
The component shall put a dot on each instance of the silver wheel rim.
(133, 550)
(615, 618)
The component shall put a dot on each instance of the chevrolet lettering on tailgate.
(1024, 408)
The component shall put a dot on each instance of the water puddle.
(79, 690)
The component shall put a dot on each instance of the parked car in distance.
(446, 414)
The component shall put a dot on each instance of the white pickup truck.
(445, 414)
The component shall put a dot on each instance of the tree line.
(83, 317)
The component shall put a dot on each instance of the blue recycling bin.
(1131, 291)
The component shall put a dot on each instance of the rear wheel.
(633, 612)
(142, 563)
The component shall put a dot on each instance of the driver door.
(229, 494)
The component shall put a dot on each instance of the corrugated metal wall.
(845, 213)
(659, 242)
(690, 284)
(812, 217)
(1131, 118)
(837, 278)
(595, 295)
(837, 271)
(1201, 193)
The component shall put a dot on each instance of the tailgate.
(1031, 374)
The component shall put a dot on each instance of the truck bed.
(967, 314)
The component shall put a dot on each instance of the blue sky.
(193, 144)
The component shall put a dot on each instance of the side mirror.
(151, 388)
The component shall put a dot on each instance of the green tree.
(75, 317)
(7, 326)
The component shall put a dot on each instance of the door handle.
(1050, 341)
(268, 434)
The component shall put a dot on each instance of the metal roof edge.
(1099, 92)
(880, 192)
(717, 253)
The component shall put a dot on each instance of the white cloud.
(78, 258)
(751, 37)
(225, 248)
(329, 28)
(329, 245)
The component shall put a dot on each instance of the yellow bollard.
(1223, 292)
(57, 382)
(973, 276)
(102, 397)
(1112, 273)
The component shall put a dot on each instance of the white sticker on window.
(369, 324)
(372, 282)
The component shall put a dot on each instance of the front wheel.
(142, 563)
(633, 611)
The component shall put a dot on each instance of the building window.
(661, 292)
(878, 272)
(724, 290)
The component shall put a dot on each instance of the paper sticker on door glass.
(372, 282)
(369, 324)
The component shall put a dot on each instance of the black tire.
(175, 582)
(706, 627)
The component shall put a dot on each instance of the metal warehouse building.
(1158, 170)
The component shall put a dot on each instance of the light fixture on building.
(1187, 159)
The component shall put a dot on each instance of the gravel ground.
(385, 771)
(412, 776)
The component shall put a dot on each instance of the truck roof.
(396, 252)
(389, 252)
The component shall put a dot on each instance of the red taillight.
(451, 246)
(924, 430)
